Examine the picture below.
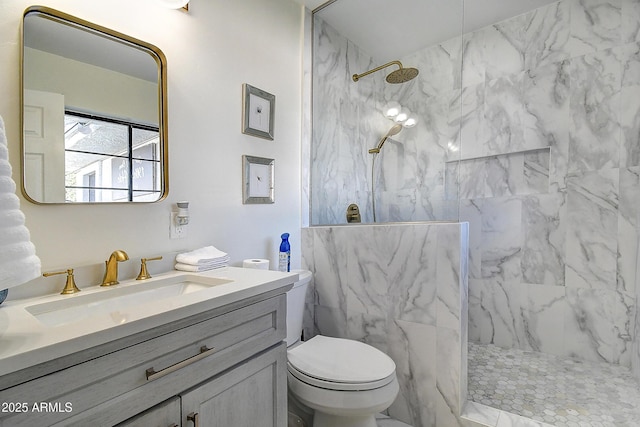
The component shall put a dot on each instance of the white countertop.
(26, 342)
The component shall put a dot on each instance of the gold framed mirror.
(94, 113)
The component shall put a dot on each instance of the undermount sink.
(115, 301)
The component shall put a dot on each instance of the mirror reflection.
(94, 113)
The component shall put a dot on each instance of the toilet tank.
(295, 306)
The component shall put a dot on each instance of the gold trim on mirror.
(161, 189)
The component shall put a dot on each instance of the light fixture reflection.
(410, 122)
(403, 116)
(391, 110)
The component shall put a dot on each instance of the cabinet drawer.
(232, 337)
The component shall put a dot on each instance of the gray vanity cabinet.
(245, 396)
(166, 414)
(227, 366)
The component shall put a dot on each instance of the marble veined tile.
(479, 413)
(536, 172)
(502, 240)
(505, 175)
(630, 21)
(635, 355)
(412, 347)
(494, 314)
(628, 230)
(547, 35)
(472, 176)
(471, 212)
(542, 307)
(504, 115)
(448, 375)
(630, 118)
(597, 325)
(449, 277)
(630, 57)
(473, 69)
(595, 25)
(467, 121)
(437, 69)
(329, 261)
(546, 118)
(507, 419)
(544, 228)
(505, 44)
(398, 262)
(591, 245)
(595, 111)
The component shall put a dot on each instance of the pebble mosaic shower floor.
(558, 391)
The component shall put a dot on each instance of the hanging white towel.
(203, 255)
(18, 260)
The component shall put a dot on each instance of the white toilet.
(345, 382)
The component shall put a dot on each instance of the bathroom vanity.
(210, 355)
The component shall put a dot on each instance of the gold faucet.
(111, 272)
(70, 287)
(144, 273)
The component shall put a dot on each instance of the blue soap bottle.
(284, 260)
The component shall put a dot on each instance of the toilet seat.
(339, 386)
(340, 364)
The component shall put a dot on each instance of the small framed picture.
(258, 108)
(258, 180)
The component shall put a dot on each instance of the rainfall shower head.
(400, 75)
(393, 131)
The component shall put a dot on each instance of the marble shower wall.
(344, 120)
(549, 180)
(530, 131)
(348, 121)
(401, 288)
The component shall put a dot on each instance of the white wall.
(112, 94)
(210, 51)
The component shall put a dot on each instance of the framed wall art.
(258, 108)
(258, 180)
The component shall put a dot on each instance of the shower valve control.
(353, 213)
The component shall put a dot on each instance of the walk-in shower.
(528, 132)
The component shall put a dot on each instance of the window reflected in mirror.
(108, 160)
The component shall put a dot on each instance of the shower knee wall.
(401, 288)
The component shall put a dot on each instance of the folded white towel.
(203, 255)
(18, 261)
(199, 268)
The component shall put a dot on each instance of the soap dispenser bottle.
(284, 260)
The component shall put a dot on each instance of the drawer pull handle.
(193, 417)
(204, 352)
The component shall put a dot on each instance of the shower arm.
(357, 77)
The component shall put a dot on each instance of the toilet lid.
(340, 360)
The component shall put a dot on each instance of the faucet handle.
(144, 274)
(70, 287)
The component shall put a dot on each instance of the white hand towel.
(18, 261)
(203, 255)
(198, 268)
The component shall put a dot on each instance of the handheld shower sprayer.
(393, 131)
